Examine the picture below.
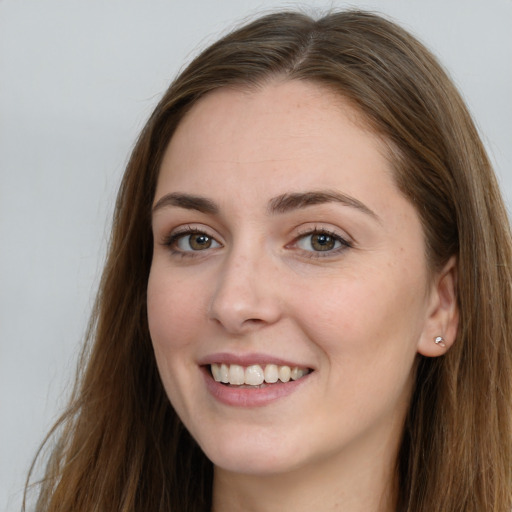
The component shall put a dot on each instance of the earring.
(439, 340)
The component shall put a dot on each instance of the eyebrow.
(288, 202)
(281, 204)
(188, 202)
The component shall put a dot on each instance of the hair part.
(122, 447)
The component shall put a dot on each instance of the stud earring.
(439, 340)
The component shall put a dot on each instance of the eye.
(321, 241)
(191, 241)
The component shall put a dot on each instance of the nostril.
(254, 321)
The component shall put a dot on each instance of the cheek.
(173, 319)
(173, 308)
(368, 336)
(346, 306)
(371, 318)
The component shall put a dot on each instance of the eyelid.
(169, 240)
(345, 241)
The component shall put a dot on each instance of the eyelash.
(344, 243)
(172, 239)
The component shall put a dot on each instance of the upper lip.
(248, 359)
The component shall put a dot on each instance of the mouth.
(255, 375)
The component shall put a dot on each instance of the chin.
(252, 458)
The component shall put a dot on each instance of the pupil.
(200, 241)
(322, 242)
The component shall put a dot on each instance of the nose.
(246, 295)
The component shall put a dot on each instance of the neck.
(361, 482)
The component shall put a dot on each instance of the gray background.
(77, 80)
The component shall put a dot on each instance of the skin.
(357, 315)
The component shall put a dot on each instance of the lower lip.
(236, 396)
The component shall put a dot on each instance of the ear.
(443, 313)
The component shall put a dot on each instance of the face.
(289, 290)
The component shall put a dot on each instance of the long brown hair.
(120, 445)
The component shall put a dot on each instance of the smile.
(255, 374)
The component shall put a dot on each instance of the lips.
(252, 380)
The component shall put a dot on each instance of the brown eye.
(189, 242)
(322, 242)
(199, 241)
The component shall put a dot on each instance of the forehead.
(270, 125)
(308, 105)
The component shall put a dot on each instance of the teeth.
(284, 373)
(216, 372)
(255, 375)
(271, 373)
(236, 374)
(224, 373)
(297, 373)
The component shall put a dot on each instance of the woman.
(307, 298)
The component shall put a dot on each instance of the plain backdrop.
(77, 81)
